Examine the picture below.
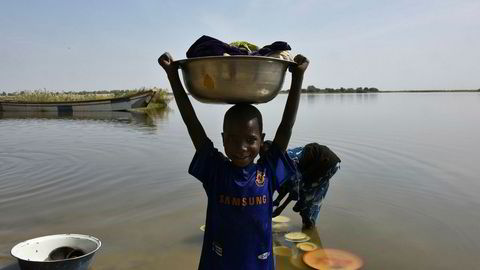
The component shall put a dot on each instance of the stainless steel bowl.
(34, 254)
(234, 79)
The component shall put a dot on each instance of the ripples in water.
(407, 187)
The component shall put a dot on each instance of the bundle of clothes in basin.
(208, 46)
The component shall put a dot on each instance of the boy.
(239, 210)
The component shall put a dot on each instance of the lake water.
(406, 196)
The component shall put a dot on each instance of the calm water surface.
(406, 196)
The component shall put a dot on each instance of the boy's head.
(242, 134)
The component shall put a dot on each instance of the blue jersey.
(238, 229)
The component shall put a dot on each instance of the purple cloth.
(276, 46)
(208, 46)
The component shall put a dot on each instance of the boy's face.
(242, 141)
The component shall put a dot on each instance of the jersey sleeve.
(206, 165)
(280, 164)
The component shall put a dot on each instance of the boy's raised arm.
(284, 131)
(195, 129)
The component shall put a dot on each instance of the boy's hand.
(302, 64)
(167, 63)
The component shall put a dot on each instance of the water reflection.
(159, 114)
(409, 169)
(358, 98)
(13, 266)
(311, 98)
(288, 255)
(144, 119)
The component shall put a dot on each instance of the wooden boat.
(138, 100)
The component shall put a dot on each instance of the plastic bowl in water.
(35, 254)
(234, 79)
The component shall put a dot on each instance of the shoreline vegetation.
(159, 101)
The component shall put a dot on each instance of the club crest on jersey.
(260, 180)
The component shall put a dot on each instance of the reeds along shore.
(160, 98)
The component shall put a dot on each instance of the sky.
(61, 45)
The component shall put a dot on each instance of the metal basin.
(34, 254)
(234, 79)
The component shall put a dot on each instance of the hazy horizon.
(105, 45)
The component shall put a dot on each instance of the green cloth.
(246, 45)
